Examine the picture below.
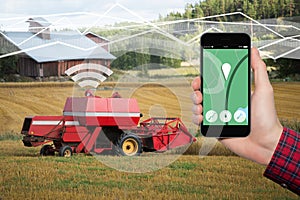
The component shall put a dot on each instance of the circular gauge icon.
(240, 116)
(211, 116)
(225, 116)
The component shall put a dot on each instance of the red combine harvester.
(93, 124)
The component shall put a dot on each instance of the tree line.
(257, 9)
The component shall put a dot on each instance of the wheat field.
(18, 100)
(222, 175)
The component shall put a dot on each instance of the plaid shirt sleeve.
(284, 167)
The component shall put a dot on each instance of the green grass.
(10, 136)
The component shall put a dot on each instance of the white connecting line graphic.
(144, 27)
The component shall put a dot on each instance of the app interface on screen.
(225, 86)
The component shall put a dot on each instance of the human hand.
(266, 129)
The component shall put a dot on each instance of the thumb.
(261, 78)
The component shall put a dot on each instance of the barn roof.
(96, 35)
(42, 21)
(67, 45)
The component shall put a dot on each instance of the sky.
(13, 13)
(149, 7)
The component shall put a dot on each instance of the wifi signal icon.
(89, 74)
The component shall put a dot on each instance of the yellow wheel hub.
(67, 153)
(130, 147)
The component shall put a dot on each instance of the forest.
(257, 9)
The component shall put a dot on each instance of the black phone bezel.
(229, 41)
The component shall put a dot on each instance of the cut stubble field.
(26, 175)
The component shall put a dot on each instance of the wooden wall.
(50, 69)
(64, 65)
(27, 67)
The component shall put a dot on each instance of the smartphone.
(225, 84)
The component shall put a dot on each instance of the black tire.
(47, 150)
(129, 145)
(65, 151)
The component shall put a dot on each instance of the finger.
(197, 119)
(261, 78)
(197, 109)
(196, 97)
(196, 83)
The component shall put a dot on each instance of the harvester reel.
(129, 145)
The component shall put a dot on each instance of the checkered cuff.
(284, 167)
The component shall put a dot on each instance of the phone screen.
(225, 85)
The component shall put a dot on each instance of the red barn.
(42, 53)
